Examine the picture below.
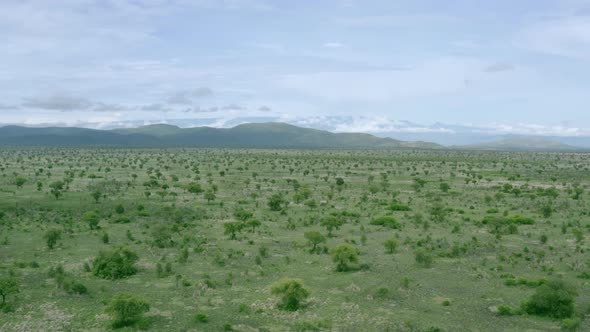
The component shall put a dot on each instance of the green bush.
(424, 259)
(386, 221)
(115, 264)
(342, 255)
(126, 309)
(505, 310)
(570, 324)
(292, 293)
(201, 318)
(397, 206)
(554, 299)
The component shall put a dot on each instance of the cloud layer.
(375, 66)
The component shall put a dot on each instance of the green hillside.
(524, 144)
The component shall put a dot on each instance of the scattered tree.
(291, 292)
(342, 255)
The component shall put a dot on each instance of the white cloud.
(398, 20)
(434, 78)
(333, 45)
(499, 66)
(60, 102)
(187, 97)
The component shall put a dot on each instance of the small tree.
(314, 239)
(119, 209)
(342, 255)
(331, 223)
(210, 195)
(390, 245)
(96, 195)
(194, 188)
(253, 222)
(92, 218)
(56, 188)
(292, 293)
(276, 202)
(51, 237)
(423, 258)
(162, 236)
(231, 228)
(126, 309)
(20, 181)
(8, 285)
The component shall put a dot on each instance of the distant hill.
(524, 144)
(252, 135)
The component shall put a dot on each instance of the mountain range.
(250, 135)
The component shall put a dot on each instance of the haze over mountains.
(251, 135)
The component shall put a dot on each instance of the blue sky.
(345, 65)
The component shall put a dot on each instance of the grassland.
(474, 231)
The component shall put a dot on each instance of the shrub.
(75, 287)
(201, 318)
(570, 324)
(51, 237)
(505, 310)
(92, 218)
(397, 206)
(554, 299)
(292, 293)
(276, 202)
(126, 309)
(115, 264)
(424, 259)
(386, 221)
(390, 245)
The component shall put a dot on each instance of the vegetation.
(115, 264)
(291, 292)
(126, 309)
(293, 240)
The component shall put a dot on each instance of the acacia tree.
(331, 223)
(56, 188)
(253, 222)
(231, 228)
(292, 293)
(314, 239)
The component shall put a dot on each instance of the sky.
(343, 65)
